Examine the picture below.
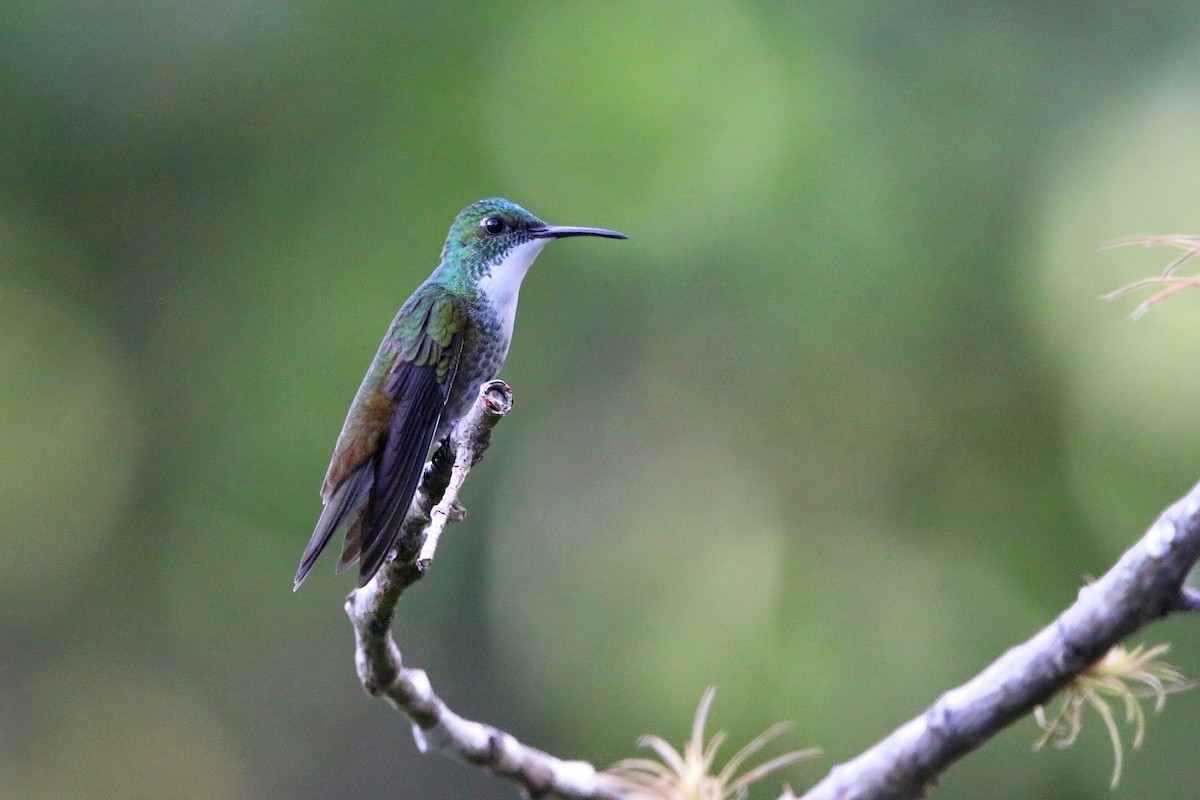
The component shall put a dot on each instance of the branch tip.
(1188, 599)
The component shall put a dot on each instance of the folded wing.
(379, 456)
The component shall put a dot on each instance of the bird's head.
(496, 237)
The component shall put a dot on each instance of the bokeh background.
(841, 421)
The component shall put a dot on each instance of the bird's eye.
(493, 225)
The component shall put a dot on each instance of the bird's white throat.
(503, 282)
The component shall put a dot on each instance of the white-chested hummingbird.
(450, 337)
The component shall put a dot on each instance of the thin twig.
(1174, 285)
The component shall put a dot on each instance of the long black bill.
(563, 231)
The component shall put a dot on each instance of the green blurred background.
(840, 422)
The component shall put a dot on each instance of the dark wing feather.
(399, 461)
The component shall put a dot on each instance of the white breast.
(503, 282)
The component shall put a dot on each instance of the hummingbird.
(447, 339)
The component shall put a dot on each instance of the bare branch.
(380, 666)
(1144, 585)
(1188, 600)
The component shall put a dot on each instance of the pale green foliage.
(1115, 676)
(690, 775)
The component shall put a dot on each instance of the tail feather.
(344, 506)
(352, 548)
